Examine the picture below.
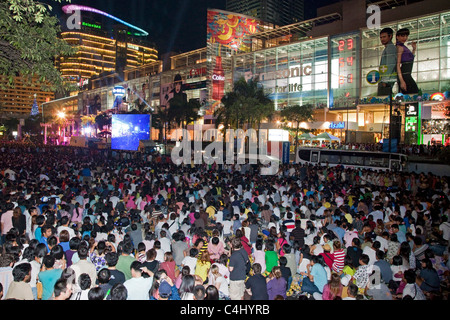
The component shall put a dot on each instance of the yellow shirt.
(202, 269)
(211, 211)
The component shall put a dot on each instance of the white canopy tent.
(327, 136)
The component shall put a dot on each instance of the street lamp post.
(45, 125)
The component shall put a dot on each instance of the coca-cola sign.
(218, 77)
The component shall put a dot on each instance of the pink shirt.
(6, 221)
(215, 251)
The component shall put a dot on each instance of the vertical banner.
(226, 35)
(286, 152)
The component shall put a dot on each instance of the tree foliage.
(247, 104)
(29, 44)
(297, 114)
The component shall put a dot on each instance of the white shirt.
(445, 228)
(384, 243)
(371, 253)
(70, 230)
(138, 288)
(165, 244)
(223, 285)
(191, 262)
(377, 214)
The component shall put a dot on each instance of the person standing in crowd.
(237, 266)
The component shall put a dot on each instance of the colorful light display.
(70, 8)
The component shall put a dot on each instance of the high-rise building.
(102, 47)
(20, 98)
(279, 12)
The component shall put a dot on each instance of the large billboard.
(227, 34)
(230, 30)
(128, 130)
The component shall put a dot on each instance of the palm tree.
(246, 104)
(184, 113)
(297, 114)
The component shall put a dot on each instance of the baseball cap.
(164, 289)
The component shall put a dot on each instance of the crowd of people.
(423, 151)
(84, 224)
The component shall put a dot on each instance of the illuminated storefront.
(333, 73)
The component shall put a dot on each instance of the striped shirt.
(338, 261)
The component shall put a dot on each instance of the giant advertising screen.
(128, 130)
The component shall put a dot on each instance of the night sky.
(173, 25)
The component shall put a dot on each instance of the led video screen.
(128, 130)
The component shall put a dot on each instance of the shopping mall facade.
(331, 62)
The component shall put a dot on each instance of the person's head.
(356, 242)
(397, 260)
(46, 231)
(352, 290)
(364, 259)
(410, 276)
(199, 292)
(164, 290)
(204, 257)
(168, 256)
(119, 292)
(83, 252)
(427, 264)
(22, 272)
(276, 272)
(84, 281)
(62, 289)
(402, 35)
(236, 243)
(215, 241)
(211, 293)
(187, 284)
(103, 276)
(193, 252)
(135, 268)
(52, 241)
(336, 245)
(376, 245)
(64, 236)
(74, 243)
(48, 261)
(215, 270)
(111, 259)
(256, 267)
(380, 255)
(283, 261)
(96, 294)
(58, 252)
(127, 248)
(151, 254)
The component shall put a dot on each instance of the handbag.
(40, 290)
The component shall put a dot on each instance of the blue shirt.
(401, 237)
(48, 279)
(44, 241)
(320, 276)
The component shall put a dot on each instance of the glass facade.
(431, 68)
(291, 74)
(332, 71)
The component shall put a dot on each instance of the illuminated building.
(19, 99)
(331, 67)
(325, 61)
(101, 51)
